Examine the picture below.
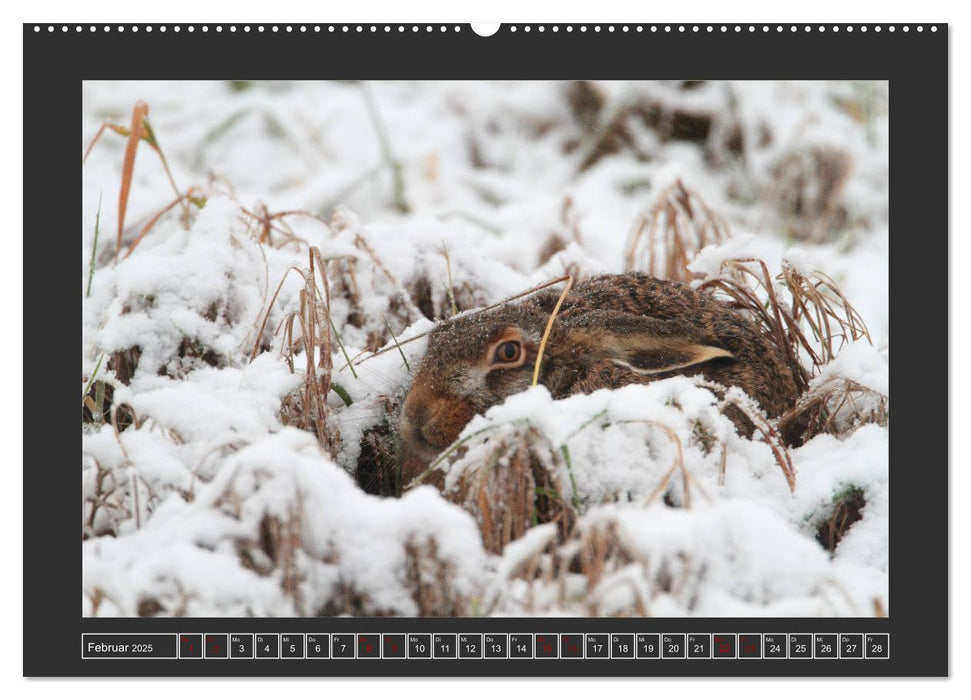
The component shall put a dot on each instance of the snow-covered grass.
(214, 483)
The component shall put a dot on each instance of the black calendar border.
(915, 63)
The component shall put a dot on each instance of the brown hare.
(611, 331)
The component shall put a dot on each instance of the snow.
(212, 504)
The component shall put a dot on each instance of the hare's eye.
(508, 352)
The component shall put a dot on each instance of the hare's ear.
(648, 345)
(652, 355)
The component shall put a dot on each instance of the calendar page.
(402, 348)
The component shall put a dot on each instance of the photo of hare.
(542, 348)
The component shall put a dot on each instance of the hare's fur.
(611, 331)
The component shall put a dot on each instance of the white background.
(16, 270)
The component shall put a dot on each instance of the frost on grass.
(209, 489)
(670, 511)
(280, 530)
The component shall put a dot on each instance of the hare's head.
(476, 361)
(473, 362)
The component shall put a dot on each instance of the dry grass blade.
(128, 166)
(821, 408)
(139, 130)
(770, 434)
(120, 130)
(549, 327)
(308, 408)
(817, 303)
(513, 488)
(269, 223)
(181, 199)
(676, 466)
(266, 316)
(670, 234)
(538, 288)
(449, 287)
(152, 140)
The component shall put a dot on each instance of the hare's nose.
(411, 426)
